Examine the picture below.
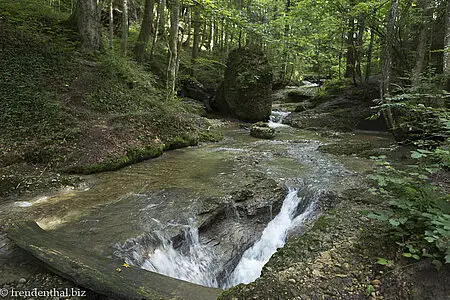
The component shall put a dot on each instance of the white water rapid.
(276, 118)
(195, 265)
(273, 237)
(197, 262)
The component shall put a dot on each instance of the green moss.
(180, 141)
(132, 156)
(210, 136)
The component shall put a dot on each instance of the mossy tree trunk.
(146, 30)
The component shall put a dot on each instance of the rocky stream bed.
(218, 199)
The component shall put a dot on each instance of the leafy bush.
(421, 118)
(418, 212)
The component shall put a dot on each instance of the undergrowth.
(418, 210)
(35, 67)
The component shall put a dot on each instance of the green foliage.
(331, 89)
(418, 212)
(123, 87)
(422, 118)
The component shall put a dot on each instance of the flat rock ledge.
(100, 274)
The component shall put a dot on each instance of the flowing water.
(153, 214)
(277, 117)
(273, 237)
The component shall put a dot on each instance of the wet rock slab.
(101, 274)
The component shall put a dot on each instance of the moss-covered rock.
(130, 157)
(262, 131)
(246, 90)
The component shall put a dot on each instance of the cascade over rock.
(247, 87)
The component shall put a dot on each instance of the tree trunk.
(446, 70)
(359, 48)
(211, 34)
(188, 18)
(155, 36)
(387, 67)
(146, 30)
(162, 17)
(124, 27)
(173, 45)
(420, 57)
(197, 23)
(111, 24)
(421, 45)
(350, 54)
(369, 56)
(88, 23)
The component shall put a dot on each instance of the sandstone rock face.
(247, 87)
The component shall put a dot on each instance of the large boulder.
(247, 87)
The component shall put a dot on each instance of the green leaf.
(406, 254)
(384, 261)
(380, 217)
(369, 289)
(416, 155)
(437, 264)
(394, 222)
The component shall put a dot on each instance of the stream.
(212, 214)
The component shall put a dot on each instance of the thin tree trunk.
(350, 54)
(155, 36)
(287, 9)
(240, 38)
(146, 30)
(162, 17)
(188, 16)
(111, 24)
(124, 27)
(173, 44)
(211, 34)
(197, 23)
(421, 45)
(446, 69)
(387, 67)
(359, 48)
(420, 57)
(369, 56)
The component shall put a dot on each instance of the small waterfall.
(273, 237)
(277, 117)
(196, 262)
